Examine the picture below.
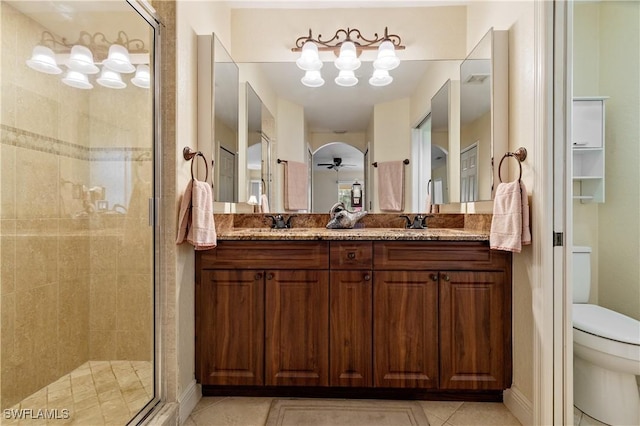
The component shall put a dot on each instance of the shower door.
(77, 227)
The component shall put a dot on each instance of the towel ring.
(190, 154)
(520, 155)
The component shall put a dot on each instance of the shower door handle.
(152, 211)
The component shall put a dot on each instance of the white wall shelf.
(588, 143)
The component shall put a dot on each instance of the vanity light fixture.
(347, 44)
(92, 54)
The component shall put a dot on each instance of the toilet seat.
(605, 323)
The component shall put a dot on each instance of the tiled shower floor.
(96, 393)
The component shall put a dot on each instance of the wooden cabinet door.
(297, 328)
(350, 322)
(472, 325)
(230, 328)
(405, 324)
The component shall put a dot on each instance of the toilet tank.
(581, 274)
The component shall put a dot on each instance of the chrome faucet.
(418, 222)
(278, 221)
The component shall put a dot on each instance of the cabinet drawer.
(351, 255)
(265, 255)
(420, 255)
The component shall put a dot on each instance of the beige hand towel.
(510, 222)
(264, 204)
(295, 185)
(391, 185)
(196, 224)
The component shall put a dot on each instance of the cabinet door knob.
(269, 276)
(367, 277)
(434, 277)
(351, 255)
(445, 277)
(258, 276)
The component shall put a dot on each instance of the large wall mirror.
(438, 190)
(259, 122)
(225, 125)
(483, 116)
(352, 116)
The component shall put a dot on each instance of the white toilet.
(606, 354)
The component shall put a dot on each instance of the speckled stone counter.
(383, 227)
(442, 234)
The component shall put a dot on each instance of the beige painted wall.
(392, 135)
(518, 18)
(325, 187)
(355, 139)
(607, 63)
(619, 269)
(192, 18)
(292, 145)
(255, 38)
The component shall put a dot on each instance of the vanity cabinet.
(351, 314)
(296, 330)
(474, 345)
(262, 313)
(405, 329)
(230, 335)
(429, 316)
(452, 311)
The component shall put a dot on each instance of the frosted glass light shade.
(348, 58)
(81, 60)
(346, 78)
(309, 59)
(77, 79)
(387, 59)
(43, 60)
(118, 60)
(380, 78)
(312, 79)
(111, 79)
(143, 77)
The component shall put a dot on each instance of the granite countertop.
(382, 234)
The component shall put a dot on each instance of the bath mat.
(341, 412)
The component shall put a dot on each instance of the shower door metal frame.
(146, 11)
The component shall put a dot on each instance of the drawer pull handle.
(269, 276)
(367, 277)
(445, 277)
(434, 277)
(351, 255)
(258, 276)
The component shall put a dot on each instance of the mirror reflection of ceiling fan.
(336, 165)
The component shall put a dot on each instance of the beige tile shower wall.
(44, 278)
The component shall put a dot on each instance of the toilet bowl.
(606, 350)
(606, 354)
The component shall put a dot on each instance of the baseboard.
(519, 405)
(188, 400)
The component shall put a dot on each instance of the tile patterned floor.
(96, 393)
(227, 411)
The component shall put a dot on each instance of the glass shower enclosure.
(77, 229)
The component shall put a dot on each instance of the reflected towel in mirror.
(295, 185)
(391, 186)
